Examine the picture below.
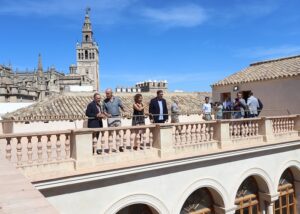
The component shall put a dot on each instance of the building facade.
(274, 82)
(28, 86)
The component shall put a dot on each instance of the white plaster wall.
(167, 190)
(10, 107)
(278, 95)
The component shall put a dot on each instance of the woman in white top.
(206, 109)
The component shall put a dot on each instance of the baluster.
(177, 138)
(174, 128)
(198, 133)
(8, 149)
(235, 131)
(280, 126)
(40, 149)
(151, 139)
(249, 129)
(19, 151)
(292, 125)
(121, 134)
(132, 138)
(256, 129)
(230, 130)
(118, 141)
(95, 145)
(188, 134)
(193, 131)
(29, 150)
(211, 133)
(183, 135)
(244, 133)
(239, 130)
(284, 125)
(207, 132)
(58, 147)
(145, 139)
(125, 141)
(276, 126)
(103, 143)
(138, 141)
(49, 148)
(203, 136)
(110, 143)
(67, 146)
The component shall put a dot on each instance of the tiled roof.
(265, 70)
(70, 107)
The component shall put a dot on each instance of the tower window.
(78, 55)
(81, 55)
(90, 55)
(87, 38)
(86, 54)
(93, 56)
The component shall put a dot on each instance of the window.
(87, 38)
(79, 55)
(286, 203)
(93, 56)
(86, 54)
(199, 202)
(247, 198)
(90, 55)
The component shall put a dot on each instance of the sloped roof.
(70, 107)
(265, 70)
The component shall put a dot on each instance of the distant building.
(152, 86)
(275, 82)
(28, 86)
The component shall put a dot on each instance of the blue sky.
(190, 43)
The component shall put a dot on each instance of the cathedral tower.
(88, 53)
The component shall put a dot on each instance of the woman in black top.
(138, 111)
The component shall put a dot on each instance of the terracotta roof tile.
(265, 70)
(68, 107)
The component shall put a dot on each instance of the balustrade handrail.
(282, 117)
(87, 130)
(29, 134)
(240, 120)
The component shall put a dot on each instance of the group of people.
(110, 110)
(239, 108)
(158, 111)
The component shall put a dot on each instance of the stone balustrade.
(132, 145)
(36, 148)
(128, 139)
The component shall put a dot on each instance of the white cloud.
(184, 16)
(273, 52)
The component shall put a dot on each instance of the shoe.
(121, 149)
(99, 152)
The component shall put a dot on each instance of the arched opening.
(286, 203)
(199, 202)
(86, 54)
(87, 38)
(137, 209)
(78, 55)
(90, 55)
(246, 199)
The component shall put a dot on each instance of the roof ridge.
(274, 60)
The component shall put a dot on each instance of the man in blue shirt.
(111, 107)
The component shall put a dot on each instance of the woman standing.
(138, 111)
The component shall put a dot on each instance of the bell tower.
(88, 53)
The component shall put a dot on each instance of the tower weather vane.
(87, 10)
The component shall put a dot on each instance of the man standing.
(206, 109)
(111, 108)
(253, 105)
(239, 106)
(94, 113)
(158, 111)
(175, 111)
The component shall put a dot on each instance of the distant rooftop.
(73, 106)
(265, 70)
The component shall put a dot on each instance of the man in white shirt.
(206, 109)
(253, 105)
